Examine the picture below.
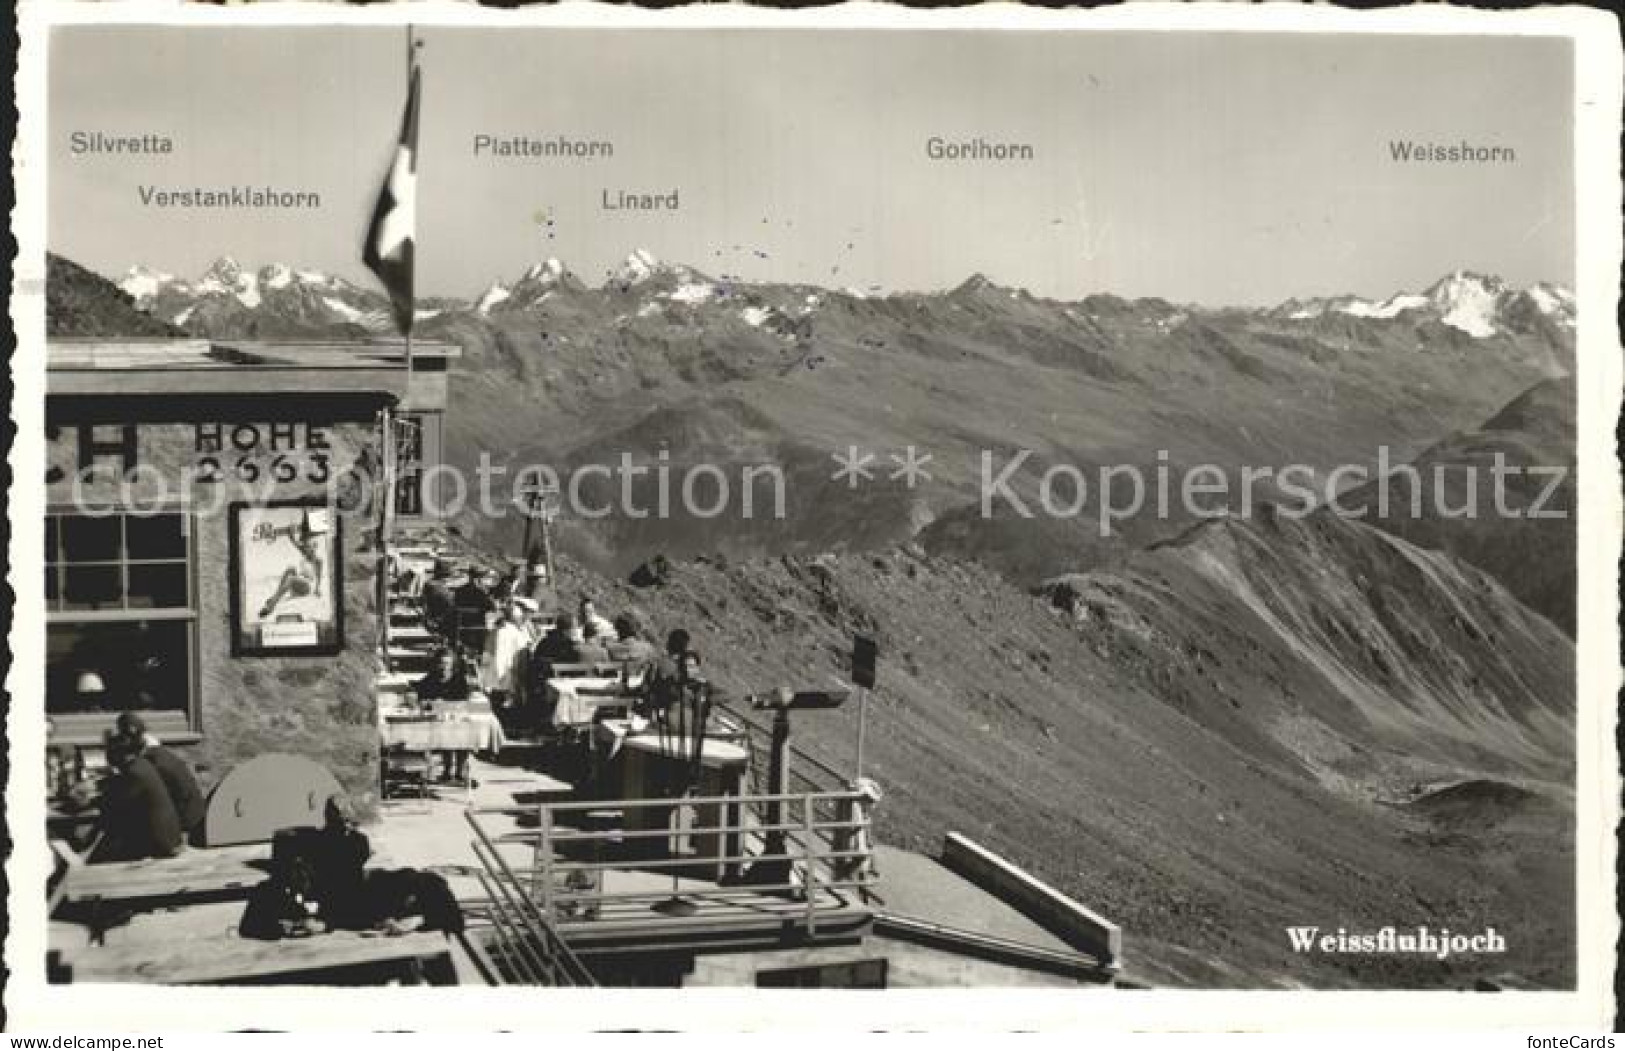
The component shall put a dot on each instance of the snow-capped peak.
(639, 266)
(1478, 304)
(140, 283)
(276, 275)
(693, 292)
(491, 297)
(225, 268)
(1393, 306)
(546, 273)
(1551, 299)
(1468, 302)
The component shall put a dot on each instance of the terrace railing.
(806, 847)
(524, 948)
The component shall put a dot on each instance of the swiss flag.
(388, 251)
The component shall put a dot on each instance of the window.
(409, 464)
(418, 446)
(121, 621)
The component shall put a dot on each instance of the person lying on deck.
(138, 819)
(176, 775)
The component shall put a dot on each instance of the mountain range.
(227, 296)
(1210, 727)
(661, 359)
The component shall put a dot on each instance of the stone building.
(212, 552)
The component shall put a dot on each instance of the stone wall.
(322, 707)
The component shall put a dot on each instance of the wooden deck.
(195, 874)
(724, 920)
(227, 959)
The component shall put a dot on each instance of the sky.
(1213, 168)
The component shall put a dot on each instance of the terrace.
(605, 850)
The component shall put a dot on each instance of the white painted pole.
(863, 723)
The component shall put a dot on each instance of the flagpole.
(412, 45)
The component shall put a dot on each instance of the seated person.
(594, 626)
(174, 771)
(593, 650)
(629, 645)
(138, 820)
(559, 646)
(673, 674)
(447, 681)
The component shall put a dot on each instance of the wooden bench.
(227, 959)
(194, 874)
(590, 670)
(89, 729)
(414, 637)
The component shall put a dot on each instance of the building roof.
(201, 366)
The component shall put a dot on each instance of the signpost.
(540, 501)
(865, 656)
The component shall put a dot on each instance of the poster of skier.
(285, 571)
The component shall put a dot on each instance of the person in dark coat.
(447, 681)
(670, 677)
(475, 605)
(174, 771)
(439, 602)
(138, 820)
(558, 646)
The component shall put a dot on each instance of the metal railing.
(808, 773)
(525, 947)
(807, 847)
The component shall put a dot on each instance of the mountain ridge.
(1476, 304)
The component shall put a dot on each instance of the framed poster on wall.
(286, 581)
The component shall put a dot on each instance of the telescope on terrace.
(783, 700)
(774, 869)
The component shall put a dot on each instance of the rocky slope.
(1528, 541)
(1209, 730)
(81, 303)
(655, 358)
(660, 357)
(1259, 725)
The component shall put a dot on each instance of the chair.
(408, 774)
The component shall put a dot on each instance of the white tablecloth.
(575, 701)
(457, 726)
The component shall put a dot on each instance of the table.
(652, 762)
(456, 726)
(576, 701)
